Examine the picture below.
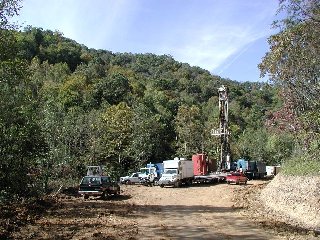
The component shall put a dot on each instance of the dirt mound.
(295, 200)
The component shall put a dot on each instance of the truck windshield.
(91, 180)
(145, 170)
(170, 171)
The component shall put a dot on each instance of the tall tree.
(293, 61)
(20, 136)
(116, 138)
(189, 128)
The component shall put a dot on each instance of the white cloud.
(210, 48)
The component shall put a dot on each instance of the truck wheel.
(161, 185)
(128, 182)
(228, 182)
(85, 196)
(104, 195)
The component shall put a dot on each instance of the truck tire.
(177, 184)
(161, 185)
(104, 195)
(85, 196)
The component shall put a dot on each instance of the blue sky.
(226, 37)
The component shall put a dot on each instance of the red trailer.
(200, 164)
(204, 169)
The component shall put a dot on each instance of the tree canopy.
(64, 106)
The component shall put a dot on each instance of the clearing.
(141, 212)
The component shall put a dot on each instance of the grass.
(303, 165)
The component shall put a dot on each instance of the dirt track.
(197, 212)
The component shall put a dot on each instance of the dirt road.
(197, 212)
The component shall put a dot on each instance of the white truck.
(151, 174)
(176, 172)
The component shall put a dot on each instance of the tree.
(116, 138)
(147, 132)
(189, 129)
(293, 61)
(112, 89)
(21, 141)
(279, 148)
(8, 9)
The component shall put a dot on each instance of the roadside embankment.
(294, 199)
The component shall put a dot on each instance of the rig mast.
(224, 163)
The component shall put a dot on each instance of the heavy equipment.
(223, 131)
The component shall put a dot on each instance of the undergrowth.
(302, 165)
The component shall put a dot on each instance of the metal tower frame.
(224, 163)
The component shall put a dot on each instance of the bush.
(302, 165)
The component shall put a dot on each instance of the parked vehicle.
(98, 186)
(95, 183)
(150, 174)
(134, 178)
(252, 169)
(237, 178)
(204, 170)
(272, 170)
(176, 172)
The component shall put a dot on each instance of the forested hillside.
(64, 106)
(69, 106)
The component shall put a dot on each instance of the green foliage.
(83, 106)
(293, 63)
(116, 137)
(189, 129)
(251, 145)
(8, 9)
(21, 142)
(302, 165)
(112, 89)
(280, 148)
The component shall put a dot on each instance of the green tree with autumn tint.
(21, 142)
(293, 63)
(189, 129)
(116, 139)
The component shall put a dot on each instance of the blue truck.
(252, 169)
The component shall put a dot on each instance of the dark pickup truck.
(98, 186)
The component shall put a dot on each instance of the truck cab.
(151, 173)
(176, 172)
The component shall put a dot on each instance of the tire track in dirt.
(197, 212)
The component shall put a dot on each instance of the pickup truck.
(132, 179)
(98, 186)
(237, 178)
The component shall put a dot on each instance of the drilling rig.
(223, 131)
